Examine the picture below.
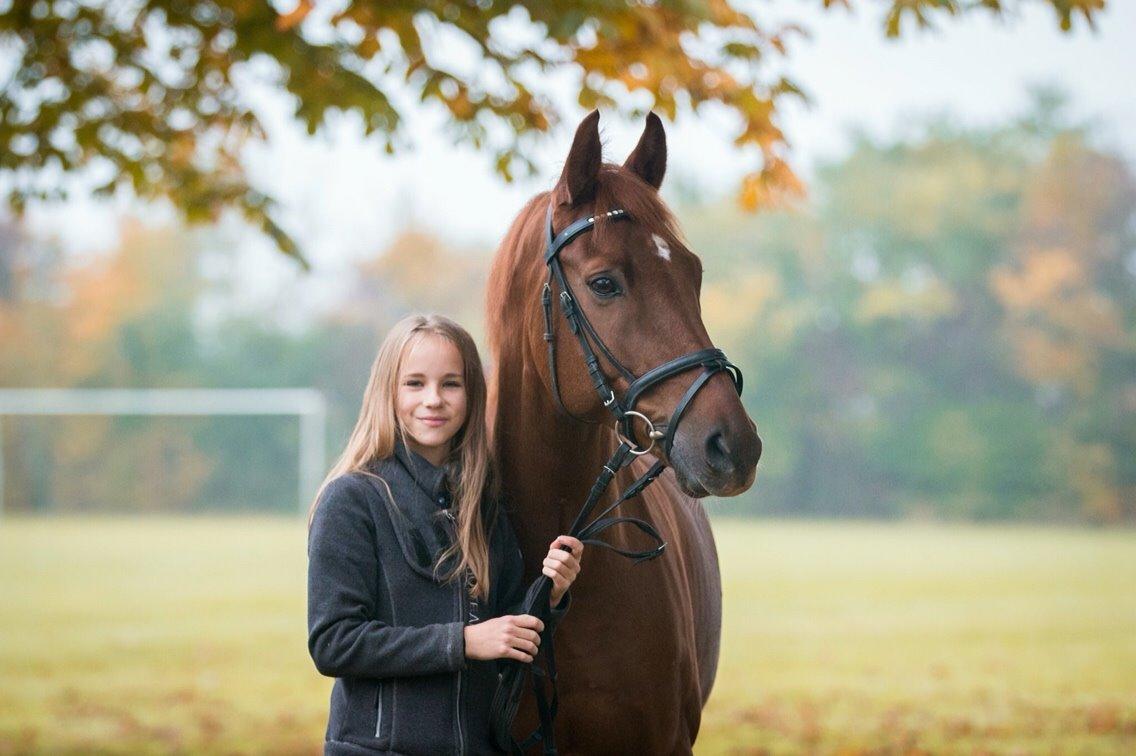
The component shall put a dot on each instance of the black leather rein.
(712, 361)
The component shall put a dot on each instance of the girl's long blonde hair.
(469, 466)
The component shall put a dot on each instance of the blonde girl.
(414, 574)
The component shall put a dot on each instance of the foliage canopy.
(147, 92)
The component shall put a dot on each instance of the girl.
(413, 568)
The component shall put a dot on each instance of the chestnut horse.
(638, 652)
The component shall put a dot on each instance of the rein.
(510, 682)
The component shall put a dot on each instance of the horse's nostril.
(718, 453)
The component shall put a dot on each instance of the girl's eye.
(604, 286)
(413, 382)
(453, 384)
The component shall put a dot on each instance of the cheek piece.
(510, 682)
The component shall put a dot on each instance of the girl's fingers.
(527, 635)
(557, 555)
(527, 620)
(568, 569)
(555, 562)
(558, 580)
(515, 652)
(562, 565)
(575, 545)
(527, 647)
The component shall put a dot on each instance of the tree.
(950, 328)
(145, 91)
(133, 317)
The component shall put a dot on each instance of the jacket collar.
(431, 479)
(420, 531)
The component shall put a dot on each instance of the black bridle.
(712, 361)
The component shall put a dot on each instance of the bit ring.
(651, 433)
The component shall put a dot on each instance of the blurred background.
(918, 228)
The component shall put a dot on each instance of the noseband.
(712, 361)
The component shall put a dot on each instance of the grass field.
(159, 635)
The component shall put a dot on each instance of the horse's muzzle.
(718, 461)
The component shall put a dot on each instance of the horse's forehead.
(639, 239)
(653, 246)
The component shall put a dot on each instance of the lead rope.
(510, 683)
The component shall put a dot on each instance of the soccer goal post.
(307, 404)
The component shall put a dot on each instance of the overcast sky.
(344, 200)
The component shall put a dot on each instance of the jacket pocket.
(355, 712)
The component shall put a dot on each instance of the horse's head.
(638, 285)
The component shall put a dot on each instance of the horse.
(638, 651)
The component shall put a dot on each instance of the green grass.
(158, 635)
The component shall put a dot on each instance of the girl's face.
(431, 399)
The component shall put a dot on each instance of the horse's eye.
(604, 286)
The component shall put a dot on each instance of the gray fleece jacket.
(386, 629)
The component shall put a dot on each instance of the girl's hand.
(514, 636)
(562, 566)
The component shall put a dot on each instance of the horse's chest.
(630, 633)
(641, 644)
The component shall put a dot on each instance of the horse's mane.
(519, 257)
(515, 259)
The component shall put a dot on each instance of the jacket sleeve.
(513, 585)
(344, 637)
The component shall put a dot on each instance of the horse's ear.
(648, 160)
(578, 181)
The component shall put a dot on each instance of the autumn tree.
(122, 319)
(133, 317)
(950, 329)
(144, 94)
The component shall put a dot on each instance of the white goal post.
(308, 404)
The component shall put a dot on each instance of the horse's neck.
(548, 461)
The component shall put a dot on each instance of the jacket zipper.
(461, 618)
(460, 712)
(379, 718)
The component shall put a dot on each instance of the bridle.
(712, 361)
